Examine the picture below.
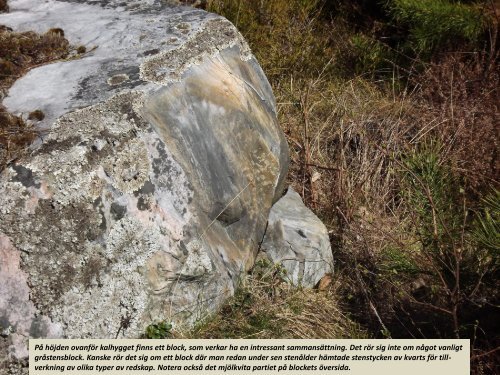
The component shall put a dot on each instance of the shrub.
(436, 24)
(432, 193)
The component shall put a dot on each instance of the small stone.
(325, 282)
(298, 240)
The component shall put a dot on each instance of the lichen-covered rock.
(298, 240)
(149, 191)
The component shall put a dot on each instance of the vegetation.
(433, 24)
(3, 6)
(392, 107)
(160, 330)
(267, 306)
(19, 52)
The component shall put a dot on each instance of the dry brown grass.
(459, 100)
(266, 306)
(394, 168)
(346, 138)
(20, 52)
(336, 131)
(3, 6)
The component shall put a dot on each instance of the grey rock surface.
(150, 189)
(298, 240)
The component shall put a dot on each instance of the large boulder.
(149, 190)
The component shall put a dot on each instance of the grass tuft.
(266, 306)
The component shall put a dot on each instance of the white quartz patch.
(124, 33)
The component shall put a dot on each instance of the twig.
(323, 167)
(307, 157)
(476, 356)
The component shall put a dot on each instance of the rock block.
(149, 189)
(298, 240)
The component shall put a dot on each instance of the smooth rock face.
(151, 188)
(297, 239)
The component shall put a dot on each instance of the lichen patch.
(197, 263)
(130, 244)
(129, 168)
(118, 79)
(216, 35)
(53, 252)
(121, 291)
(101, 311)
